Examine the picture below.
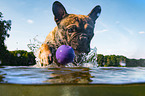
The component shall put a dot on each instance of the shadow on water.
(31, 75)
(2, 76)
(69, 75)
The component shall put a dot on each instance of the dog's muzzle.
(81, 43)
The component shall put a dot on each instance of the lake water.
(72, 81)
(72, 75)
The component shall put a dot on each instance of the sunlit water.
(69, 75)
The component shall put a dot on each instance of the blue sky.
(119, 30)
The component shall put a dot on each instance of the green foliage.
(19, 58)
(100, 59)
(135, 62)
(114, 60)
(5, 26)
(110, 60)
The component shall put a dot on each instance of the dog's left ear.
(95, 13)
(58, 11)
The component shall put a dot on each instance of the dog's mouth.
(80, 43)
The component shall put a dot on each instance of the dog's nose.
(83, 39)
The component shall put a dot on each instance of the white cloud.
(141, 32)
(103, 24)
(101, 31)
(30, 21)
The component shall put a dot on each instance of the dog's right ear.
(58, 11)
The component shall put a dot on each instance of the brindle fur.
(73, 30)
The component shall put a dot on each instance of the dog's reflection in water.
(69, 75)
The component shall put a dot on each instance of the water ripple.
(84, 75)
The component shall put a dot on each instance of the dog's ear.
(95, 13)
(58, 11)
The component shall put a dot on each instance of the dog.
(73, 30)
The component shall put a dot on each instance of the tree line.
(18, 58)
(118, 60)
(110, 60)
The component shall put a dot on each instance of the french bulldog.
(73, 30)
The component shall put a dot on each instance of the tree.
(100, 59)
(113, 60)
(107, 60)
(5, 26)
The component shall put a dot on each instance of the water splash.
(89, 60)
(34, 44)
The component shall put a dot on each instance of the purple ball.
(65, 54)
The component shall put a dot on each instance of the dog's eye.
(70, 30)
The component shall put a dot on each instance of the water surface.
(72, 75)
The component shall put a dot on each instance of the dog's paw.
(45, 55)
(45, 59)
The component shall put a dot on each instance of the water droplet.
(18, 55)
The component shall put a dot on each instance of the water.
(72, 81)
(72, 75)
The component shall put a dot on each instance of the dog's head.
(75, 30)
